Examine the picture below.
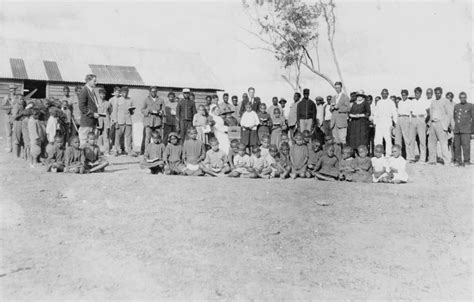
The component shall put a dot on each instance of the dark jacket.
(255, 105)
(463, 118)
(88, 106)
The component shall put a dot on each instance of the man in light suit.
(88, 106)
(340, 107)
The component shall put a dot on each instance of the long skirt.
(358, 133)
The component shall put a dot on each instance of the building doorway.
(29, 86)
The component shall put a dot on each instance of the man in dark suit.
(463, 127)
(340, 107)
(252, 100)
(88, 105)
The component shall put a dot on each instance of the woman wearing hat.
(358, 128)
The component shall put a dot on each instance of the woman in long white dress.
(219, 129)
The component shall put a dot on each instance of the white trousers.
(383, 132)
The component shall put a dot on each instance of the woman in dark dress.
(358, 128)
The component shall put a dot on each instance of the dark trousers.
(167, 129)
(462, 141)
(183, 128)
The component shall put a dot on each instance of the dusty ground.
(124, 234)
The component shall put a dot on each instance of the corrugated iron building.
(50, 66)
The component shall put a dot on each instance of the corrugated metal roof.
(131, 66)
(52, 70)
(109, 74)
(18, 68)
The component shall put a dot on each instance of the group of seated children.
(74, 159)
(305, 158)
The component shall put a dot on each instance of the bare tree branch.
(322, 75)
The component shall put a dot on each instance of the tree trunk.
(337, 65)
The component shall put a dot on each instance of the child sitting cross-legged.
(74, 157)
(284, 162)
(363, 166)
(55, 160)
(396, 168)
(298, 157)
(242, 164)
(153, 156)
(233, 150)
(257, 162)
(327, 167)
(314, 154)
(193, 153)
(172, 155)
(347, 165)
(215, 163)
(93, 160)
(270, 167)
(379, 165)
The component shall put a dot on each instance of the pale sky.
(398, 44)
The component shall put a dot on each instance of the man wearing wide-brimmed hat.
(7, 105)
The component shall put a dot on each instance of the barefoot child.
(200, 121)
(328, 166)
(397, 166)
(242, 164)
(363, 166)
(74, 157)
(172, 155)
(153, 157)
(298, 157)
(284, 162)
(215, 164)
(93, 160)
(37, 137)
(193, 153)
(55, 160)
(270, 165)
(257, 162)
(379, 164)
(233, 150)
(347, 165)
(314, 154)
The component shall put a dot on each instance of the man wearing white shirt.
(383, 115)
(420, 107)
(405, 125)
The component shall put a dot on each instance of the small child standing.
(154, 154)
(397, 167)
(278, 126)
(104, 110)
(93, 161)
(363, 165)
(328, 166)
(74, 157)
(314, 154)
(200, 121)
(172, 155)
(347, 165)
(265, 122)
(24, 131)
(242, 164)
(193, 153)
(55, 160)
(51, 127)
(265, 144)
(35, 131)
(284, 162)
(249, 123)
(379, 165)
(69, 126)
(215, 163)
(298, 157)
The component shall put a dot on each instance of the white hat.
(186, 90)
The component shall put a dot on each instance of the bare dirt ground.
(124, 234)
